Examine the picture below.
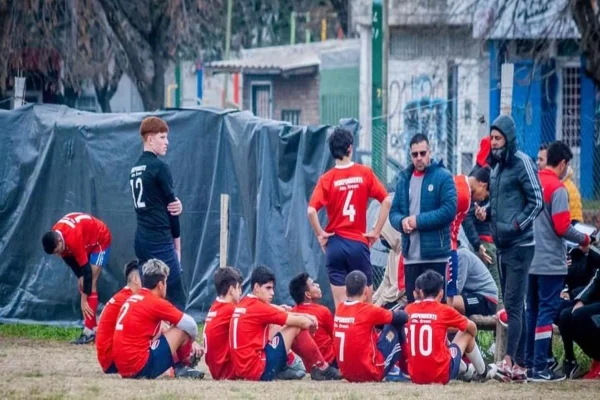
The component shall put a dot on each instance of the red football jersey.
(345, 193)
(83, 235)
(249, 334)
(106, 327)
(216, 340)
(428, 355)
(137, 325)
(324, 334)
(355, 340)
(463, 202)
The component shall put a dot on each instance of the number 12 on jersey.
(137, 200)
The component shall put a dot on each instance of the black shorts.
(476, 304)
(347, 255)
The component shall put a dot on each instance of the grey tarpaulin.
(56, 160)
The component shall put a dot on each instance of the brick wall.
(297, 93)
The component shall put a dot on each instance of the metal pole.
(228, 45)
(384, 86)
(293, 28)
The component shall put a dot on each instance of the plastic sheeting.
(57, 160)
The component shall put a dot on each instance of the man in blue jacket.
(424, 206)
(515, 203)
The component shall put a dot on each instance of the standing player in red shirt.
(140, 350)
(345, 191)
(430, 358)
(83, 242)
(363, 353)
(261, 335)
(307, 294)
(108, 318)
(228, 283)
(468, 189)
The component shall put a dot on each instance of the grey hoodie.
(515, 191)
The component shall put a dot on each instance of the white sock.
(463, 367)
(87, 331)
(477, 360)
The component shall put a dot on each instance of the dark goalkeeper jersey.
(152, 189)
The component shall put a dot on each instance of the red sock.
(183, 353)
(291, 358)
(305, 346)
(88, 322)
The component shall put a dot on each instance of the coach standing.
(157, 209)
(423, 208)
(515, 202)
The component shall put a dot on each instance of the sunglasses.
(415, 154)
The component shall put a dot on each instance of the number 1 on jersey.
(349, 208)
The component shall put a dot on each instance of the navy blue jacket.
(438, 210)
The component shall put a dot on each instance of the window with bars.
(291, 116)
(571, 106)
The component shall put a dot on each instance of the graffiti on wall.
(419, 102)
(417, 105)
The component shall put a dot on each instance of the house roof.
(298, 59)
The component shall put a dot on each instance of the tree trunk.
(589, 28)
(103, 96)
(153, 94)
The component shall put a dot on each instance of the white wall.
(418, 100)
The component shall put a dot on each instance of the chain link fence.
(455, 128)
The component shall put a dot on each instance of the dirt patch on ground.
(50, 370)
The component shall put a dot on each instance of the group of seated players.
(141, 335)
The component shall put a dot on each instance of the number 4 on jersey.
(349, 210)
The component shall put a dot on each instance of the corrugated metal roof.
(292, 59)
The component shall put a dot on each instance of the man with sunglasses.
(423, 209)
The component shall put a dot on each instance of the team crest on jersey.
(390, 336)
(453, 351)
(274, 342)
(155, 344)
(430, 187)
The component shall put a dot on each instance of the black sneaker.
(185, 372)
(547, 375)
(328, 374)
(553, 364)
(571, 369)
(85, 338)
(289, 374)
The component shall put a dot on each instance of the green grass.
(44, 332)
(590, 205)
(486, 338)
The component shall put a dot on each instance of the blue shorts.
(112, 369)
(455, 358)
(276, 358)
(452, 289)
(347, 255)
(100, 258)
(388, 345)
(159, 361)
(165, 252)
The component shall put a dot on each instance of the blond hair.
(155, 267)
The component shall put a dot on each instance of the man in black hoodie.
(515, 202)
